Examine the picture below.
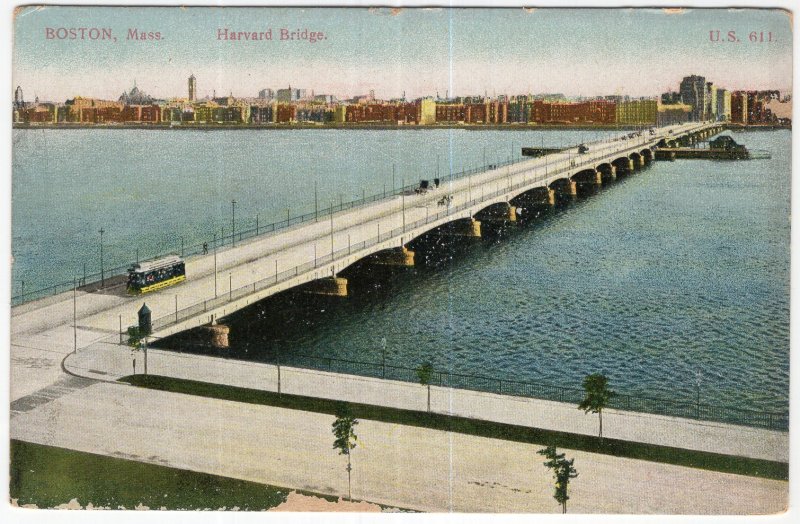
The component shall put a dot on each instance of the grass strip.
(620, 448)
(49, 476)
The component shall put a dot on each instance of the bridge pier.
(608, 173)
(399, 256)
(642, 161)
(507, 214)
(328, 286)
(537, 196)
(217, 335)
(566, 189)
(467, 227)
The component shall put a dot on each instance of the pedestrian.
(205, 248)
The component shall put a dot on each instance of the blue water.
(674, 277)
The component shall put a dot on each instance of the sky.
(419, 52)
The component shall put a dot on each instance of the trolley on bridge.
(156, 274)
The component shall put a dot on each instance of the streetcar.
(153, 275)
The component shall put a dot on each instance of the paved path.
(110, 361)
(397, 465)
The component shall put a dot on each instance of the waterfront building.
(711, 101)
(693, 92)
(723, 105)
(739, 107)
(427, 112)
(204, 112)
(285, 113)
(450, 113)
(756, 113)
(340, 114)
(314, 113)
(40, 113)
(637, 112)
(192, 88)
(262, 114)
(518, 112)
(672, 114)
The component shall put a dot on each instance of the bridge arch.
(608, 172)
(624, 165)
(587, 177)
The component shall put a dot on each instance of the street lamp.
(383, 359)
(102, 271)
(698, 380)
(233, 222)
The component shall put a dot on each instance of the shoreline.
(372, 127)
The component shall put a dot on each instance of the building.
(266, 94)
(671, 114)
(637, 112)
(723, 105)
(319, 114)
(671, 98)
(739, 107)
(192, 88)
(289, 95)
(325, 99)
(427, 112)
(711, 101)
(135, 97)
(19, 100)
(285, 113)
(693, 92)
(262, 114)
(450, 113)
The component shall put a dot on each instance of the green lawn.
(682, 457)
(48, 476)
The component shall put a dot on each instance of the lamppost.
(698, 380)
(383, 358)
(75, 315)
(102, 271)
(215, 265)
(403, 199)
(233, 222)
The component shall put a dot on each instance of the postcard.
(400, 259)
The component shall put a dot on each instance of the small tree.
(137, 340)
(563, 470)
(597, 396)
(425, 374)
(345, 437)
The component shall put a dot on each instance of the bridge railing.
(684, 408)
(223, 240)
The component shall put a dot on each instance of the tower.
(19, 101)
(192, 88)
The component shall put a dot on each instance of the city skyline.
(459, 52)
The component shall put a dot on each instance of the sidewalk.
(403, 466)
(104, 361)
